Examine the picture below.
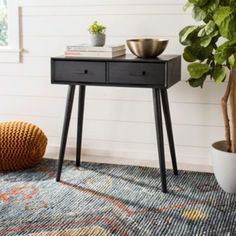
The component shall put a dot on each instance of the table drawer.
(78, 71)
(137, 73)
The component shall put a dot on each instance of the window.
(3, 23)
(9, 31)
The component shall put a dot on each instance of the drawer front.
(79, 71)
(137, 73)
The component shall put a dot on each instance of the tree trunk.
(233, 109)
(224, 107)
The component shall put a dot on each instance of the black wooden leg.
(80, 122)
(159, 133)
(166, 109)
(69, 104)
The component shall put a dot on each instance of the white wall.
(119, 122)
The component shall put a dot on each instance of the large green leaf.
(211, 6)
(199, 52)
(198, 13)
(197, 82)
(225, 18)
(198, 2)
(206, 40)
(202, 32)
(221, 14)
(232, 3)
(232, 62)
(219, 74)
(224, 51)
(185, 33)
(228, 27)
(188, 56)
(197, 70)
(232, 27)
(208, 29)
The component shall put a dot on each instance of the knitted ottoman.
(22, 145)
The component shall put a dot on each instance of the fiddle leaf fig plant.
(210, 50)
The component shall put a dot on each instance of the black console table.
(127, 71)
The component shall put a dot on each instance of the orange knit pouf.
(22, 145)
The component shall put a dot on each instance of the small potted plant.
(210, 49)
(97, 34)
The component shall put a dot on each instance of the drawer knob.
(140, 73)
(82, 72)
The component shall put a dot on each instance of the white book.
(87, 48)
(94, 54)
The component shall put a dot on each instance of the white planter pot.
(97, 40)
(224, 165)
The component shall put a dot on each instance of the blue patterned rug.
(105, 200)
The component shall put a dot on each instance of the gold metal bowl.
(147, 48)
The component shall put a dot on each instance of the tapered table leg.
(159, 134)
(69, 104)
(166, 109)
(80, 123)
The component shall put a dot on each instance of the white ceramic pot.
(97, 39)
(224, 165)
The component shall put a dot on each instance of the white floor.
(70, 155)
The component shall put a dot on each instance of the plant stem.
(233, 109)
(224, 102)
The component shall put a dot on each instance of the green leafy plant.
(96, 28)
(210, 50)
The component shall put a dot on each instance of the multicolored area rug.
(105, 200)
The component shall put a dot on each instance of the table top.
(125, 58)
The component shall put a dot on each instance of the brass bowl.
(147, 48)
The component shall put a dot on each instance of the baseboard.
(106, 156)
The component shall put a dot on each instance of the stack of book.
(84, 50)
